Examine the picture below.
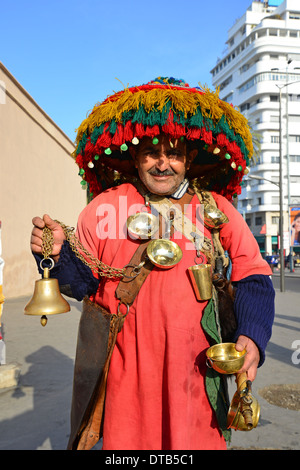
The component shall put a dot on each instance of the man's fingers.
(49, 222)
(251, 373)
(38, 222)
(36, 248)
(36, 240)
(37, 232)
(240, 344)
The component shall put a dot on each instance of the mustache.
(157, 172)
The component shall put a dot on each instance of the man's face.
(161, 166)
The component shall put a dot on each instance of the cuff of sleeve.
(254, 310)
(74, 277)
(258, 335)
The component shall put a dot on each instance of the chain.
(95, 264)
(47, 242)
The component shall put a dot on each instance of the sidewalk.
(35, 415)
(287, 272)
(278, 427)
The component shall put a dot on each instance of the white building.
(263, 55)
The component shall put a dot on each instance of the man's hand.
(37, 235)
(252, 356)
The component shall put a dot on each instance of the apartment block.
(259, 73)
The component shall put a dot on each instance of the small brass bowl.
(213, 217)
(142, 225)
(224, 358)
(235, 419)
(164, 253)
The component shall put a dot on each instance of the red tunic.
(156, 398)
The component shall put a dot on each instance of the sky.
(69, 55)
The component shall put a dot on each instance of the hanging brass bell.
(46, 299)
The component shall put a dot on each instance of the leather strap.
(135, 275)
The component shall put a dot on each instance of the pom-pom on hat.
(169, 106)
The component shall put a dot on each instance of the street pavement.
(34, 415)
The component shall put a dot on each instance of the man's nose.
(162, 162)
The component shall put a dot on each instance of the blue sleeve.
(254, 308)
(74, 277)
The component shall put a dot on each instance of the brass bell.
(46, 299)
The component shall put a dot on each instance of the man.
(170, 145)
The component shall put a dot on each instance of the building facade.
(260, 74)
(38, 176)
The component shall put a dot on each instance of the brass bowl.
(213, 217)
(224, 358)
(142, 225)
(164, 253)
(235, 419)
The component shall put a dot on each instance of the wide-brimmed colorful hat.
(169, 106)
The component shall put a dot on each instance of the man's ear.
(192, 154)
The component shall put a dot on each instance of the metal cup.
(201, 278)
(142, 225)
(224, 358)
(164, 253)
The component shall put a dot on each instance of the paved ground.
(35, 415)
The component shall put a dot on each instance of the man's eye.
(174, 155)
(149, 152)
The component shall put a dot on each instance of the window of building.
(275, 159)
(244, 68)
(244, 107)
(274, 98)
(261, 33)
(248, 221)
(295, 158)
(228, 98)
(295, 179)
(293, 34)
(226, 82)
(273, 32)
(274, 139)
(294, 97)
(294, 15)
(275, 219)
(258, 220)
(294, 138)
